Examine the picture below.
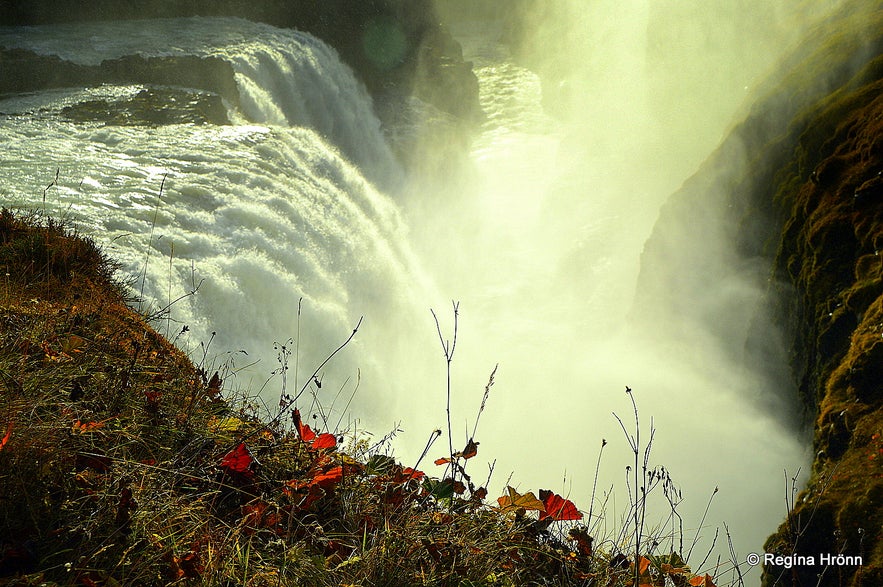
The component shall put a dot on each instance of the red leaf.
(126, 505)
(97, 462)
(557, 507)
(238, 460)
(315, 494)
(303, 431)
(326, 479)
(324, 440)
(6, 438)
(410, 473)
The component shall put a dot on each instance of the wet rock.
(26, 71)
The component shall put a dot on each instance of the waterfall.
(300, 199)
(276, 224)
(285, 77)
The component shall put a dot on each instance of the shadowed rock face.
(25, 71)
(831, 253)
(397, 47)
(798, 189)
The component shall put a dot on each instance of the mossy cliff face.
(796, 193)
(831, 253)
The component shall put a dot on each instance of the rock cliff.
(797, 190)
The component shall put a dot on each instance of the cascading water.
(542, 250)
(268, 215)
(285, 78)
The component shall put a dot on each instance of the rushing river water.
(296, 220)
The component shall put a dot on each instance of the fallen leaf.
(410, 473)
(304, 432)
(226, 424)
(85, 427)
(583, 541)
(214, 386)
(328, 479)
(702, 581)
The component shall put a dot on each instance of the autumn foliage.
(122, 463)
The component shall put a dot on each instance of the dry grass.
(122, 463)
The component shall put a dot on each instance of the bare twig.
(448, 347)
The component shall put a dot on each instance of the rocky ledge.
(25, 71)
(798, 187)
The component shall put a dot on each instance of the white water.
(285, 78)
(542, 248)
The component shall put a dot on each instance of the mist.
(541, 245)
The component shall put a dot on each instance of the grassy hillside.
(123, 463)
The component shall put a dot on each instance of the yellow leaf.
(228, 424)
(515, 501)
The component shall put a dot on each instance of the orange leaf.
(644, 565)
(410, 473)
(700, 581)
(558, 508)
(329, 478)
(442, 461)
(515, 501)
(81, 428)
(324, 440)
(6, 438)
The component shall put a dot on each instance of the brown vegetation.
(122, 463)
